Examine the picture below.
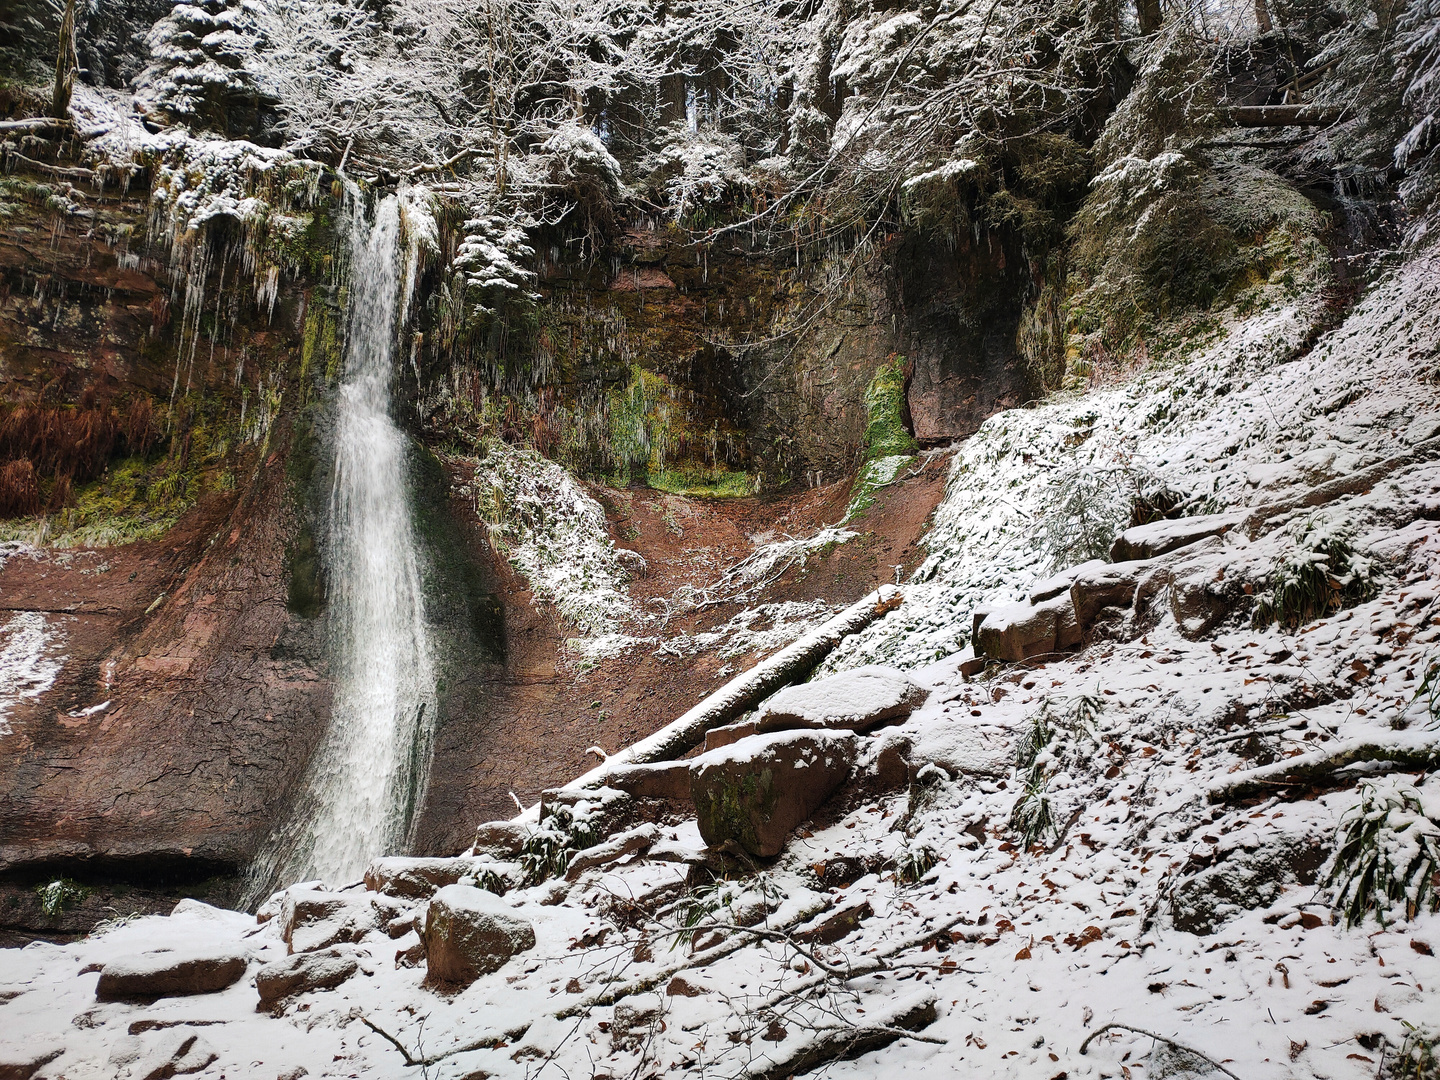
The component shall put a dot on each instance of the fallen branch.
(1286, 115)
(743, 692)
(62, 171)
(1159, 1038)
(35, 123)
(899, 1021)
(1407, 750)
(390, 1039)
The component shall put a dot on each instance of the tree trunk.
(1262, 17)
(66, 61)
(1149, 13)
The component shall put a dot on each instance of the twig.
(1084, 1046)
(394, 1041)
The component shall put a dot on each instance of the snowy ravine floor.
(1023, 955)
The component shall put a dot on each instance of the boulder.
(857, 700)
(835, 924)
(731, 733)
(304, 972)
(313, 919)
(662, 780)
(1245, 872)
(1051, 587)
(470, 932)
(170, 973)
(614, 849)
(417, 879)
(1016, 632)
(1159, 537)
(502, 839)
(174, 1052)
(1104, 585)
(22, 1060)
(753, 793)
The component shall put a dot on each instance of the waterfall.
(366, 778)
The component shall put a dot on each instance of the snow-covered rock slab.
(1160, 537)
(857, 700)
(304, 972)
(169, 973)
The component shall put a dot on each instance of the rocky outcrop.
(753, 794)
(169, 973)
(470, 932)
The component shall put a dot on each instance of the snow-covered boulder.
(1159, 537)
(470, 932)
(170, 973)
(753, 793)
(22, 1059)
(502, 839)
(661, 780)
(1016, 632)
(154, 1055)
(314, 919)
(304, 972)
(417, 879)
(857, 700)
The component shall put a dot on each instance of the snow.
(30, 659)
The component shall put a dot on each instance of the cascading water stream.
(366, 778)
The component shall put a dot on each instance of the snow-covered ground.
(1154, 899)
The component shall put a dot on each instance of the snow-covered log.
(745, 691)
(1286, 115)
(1413, 750)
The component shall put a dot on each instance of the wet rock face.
(470, 932)
(169, 973)
(753, 793)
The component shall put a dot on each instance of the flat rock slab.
(169, 973)
(855, 700)
(470, 932)
(20, 1061)
(753, 793)
(313, 919)
(304, 972)
(1159, 537)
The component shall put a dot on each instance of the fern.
(1388, 856)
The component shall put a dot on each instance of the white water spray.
(367, 777)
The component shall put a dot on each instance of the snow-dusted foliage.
(554, 534)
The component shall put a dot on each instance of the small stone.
(169, 973)
(470, 932)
